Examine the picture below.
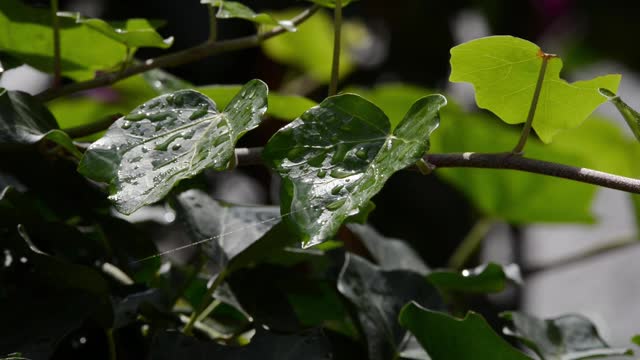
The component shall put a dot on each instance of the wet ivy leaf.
(235, 10)
(504, 71)
(26, 36)
(310, 345)
(389, 253)
(631, 116)
(230, 229)
(127, 309)
(163, 82)
(338, 155)
(283, 107)
(24, 120)
(568, 337)
(170, 138)
(489, 278)
(378, 296)
(445, 337)
(132, 33)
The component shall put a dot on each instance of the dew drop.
(321, 173)
(339, 174)
(159, 116)
(361, 154)
(126, 125)
(336, 204)
(336, 189)
(136, 116)
(202, 111)
(176, 146)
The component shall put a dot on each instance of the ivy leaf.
(445, 337)
(631, 116)
(26, 36)
(504, 71)
(488, 278)
(170, 138)
(236, 10)
(132, 33)
(389, 253)
(24, 120)
(379, 295)
(338, 155)
(331, 3)
(568, 337)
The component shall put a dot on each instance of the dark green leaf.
(127, 310)
(570, 337)
(331, 3)
(631, 116)
(236, 10)
(337, 155)
(27, 36)
(488, 278)
(24, 120)
(132, 33)
(389, 253)
(378, 296)
(445, 337)
(170, 138)
(311, 345)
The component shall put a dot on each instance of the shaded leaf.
(127, 309)
(378, 296)
(568, 337)
(24, 120)
(311, 345)
(27, 35)
(445, 337)
(133, 33)
(389, 253)
(337, 155)
(504, 71)
(236, 10)
(631, 116)
(487, 278)
(170, 138)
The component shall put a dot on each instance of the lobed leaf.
(236, 10)
(445, 337)
(489, 278)
(170, 138)
(504, 71)
(568, 337)
(338, 155)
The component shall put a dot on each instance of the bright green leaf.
(338, 155)
(26, 34)
(24, 120)
(487, 278)
(566, 337)
(132, 33)
(309, 49)
(504, 71)
(631, 116)
(445, 337)
(170, 138)
(636, 340)
(236, 10)
(378, 296)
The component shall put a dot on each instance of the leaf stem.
(112, 345)
(57, 63)
(534, 104)
(470, 244)
(337, 36)
(213, 26)
(187, 330)
(177, 58)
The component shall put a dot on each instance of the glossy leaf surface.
(487, 278)
(133, 33)
(170, 138)
(566, 337)
(235, 10)
(338, 155)
(504, 71)
(378, 296)
(25, 121)
(445, 337)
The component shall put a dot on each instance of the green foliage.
(487, 278)
(565, 337)
(170, 138)
(235, 10)
(631, 116)
(337, 155)
(331, 3)
(504, 71)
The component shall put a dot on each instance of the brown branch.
(178, 58)
(506, 161)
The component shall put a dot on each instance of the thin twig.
(506, 161)
(178, 58)
(337, 36)
(195, 315)
(470, 244)
(57, 62)
(213, 25)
